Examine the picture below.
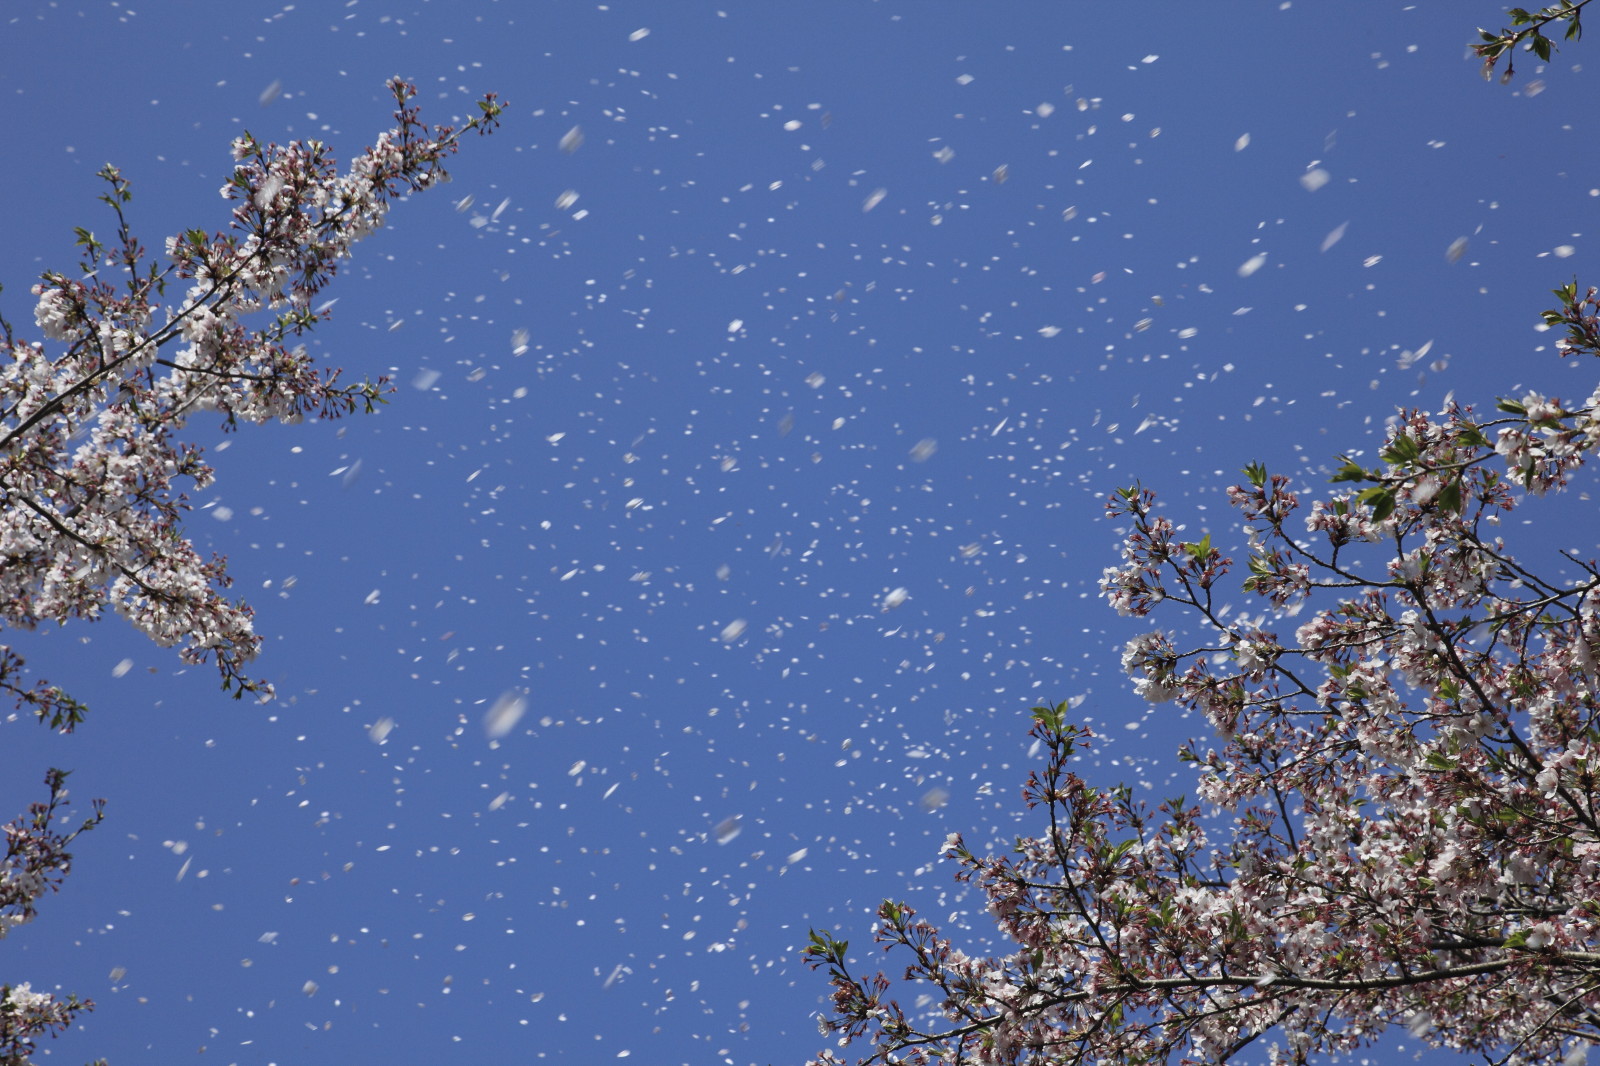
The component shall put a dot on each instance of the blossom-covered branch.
(90, 459)
(1397, 818)
(36, 860)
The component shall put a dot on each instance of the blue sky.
(759, 446)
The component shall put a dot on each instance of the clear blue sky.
(779, 511)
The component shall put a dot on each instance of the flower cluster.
(91, 463)
(1398, 816)
(36, 860)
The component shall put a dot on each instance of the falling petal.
(503, 717)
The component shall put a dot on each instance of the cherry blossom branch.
(1530, 36)
(36, 861)
(113, 536)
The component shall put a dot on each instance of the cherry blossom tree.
(92, 463)
(1396, 821)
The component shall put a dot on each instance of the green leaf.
(1511, 406)
(825, 945)
(1352, 471)
(1381, 500)
(1449, 499)
(1256, 473)
(1401, 450)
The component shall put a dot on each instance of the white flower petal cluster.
(93, 471)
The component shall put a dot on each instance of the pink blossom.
(1397, 824)
(90, 457)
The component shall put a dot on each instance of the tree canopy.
(1395, 822)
